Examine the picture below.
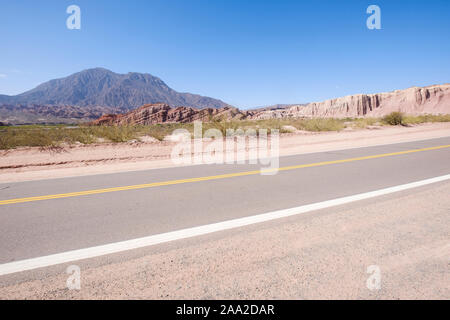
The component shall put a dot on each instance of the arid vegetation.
(393, 119)
(60, 135)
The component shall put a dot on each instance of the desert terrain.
(233, 157)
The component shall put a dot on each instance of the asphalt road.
(39, 228)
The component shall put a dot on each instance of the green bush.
(393, 118)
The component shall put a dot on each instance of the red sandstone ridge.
(163, 113)
(414, 101)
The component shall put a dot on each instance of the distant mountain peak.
(103, 87)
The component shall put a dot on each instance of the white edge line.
(81, 254)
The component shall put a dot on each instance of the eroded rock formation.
(163, 113)
(414, 101)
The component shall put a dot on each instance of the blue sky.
(245, 52)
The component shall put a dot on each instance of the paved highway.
(96, 216)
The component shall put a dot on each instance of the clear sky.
(246, 52)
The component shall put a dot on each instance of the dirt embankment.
(35, 163)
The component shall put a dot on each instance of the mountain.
(4, 98)
(102, 87)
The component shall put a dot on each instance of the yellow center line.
(207, 178)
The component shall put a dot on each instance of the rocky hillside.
(101, 87)
(432, 100)
(163, 113)
(413, 101)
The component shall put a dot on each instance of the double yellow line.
(207, 178)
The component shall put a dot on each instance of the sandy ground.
(320, 255)
(34, 163)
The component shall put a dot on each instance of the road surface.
(142, 207)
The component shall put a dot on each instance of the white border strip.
(69, 256)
